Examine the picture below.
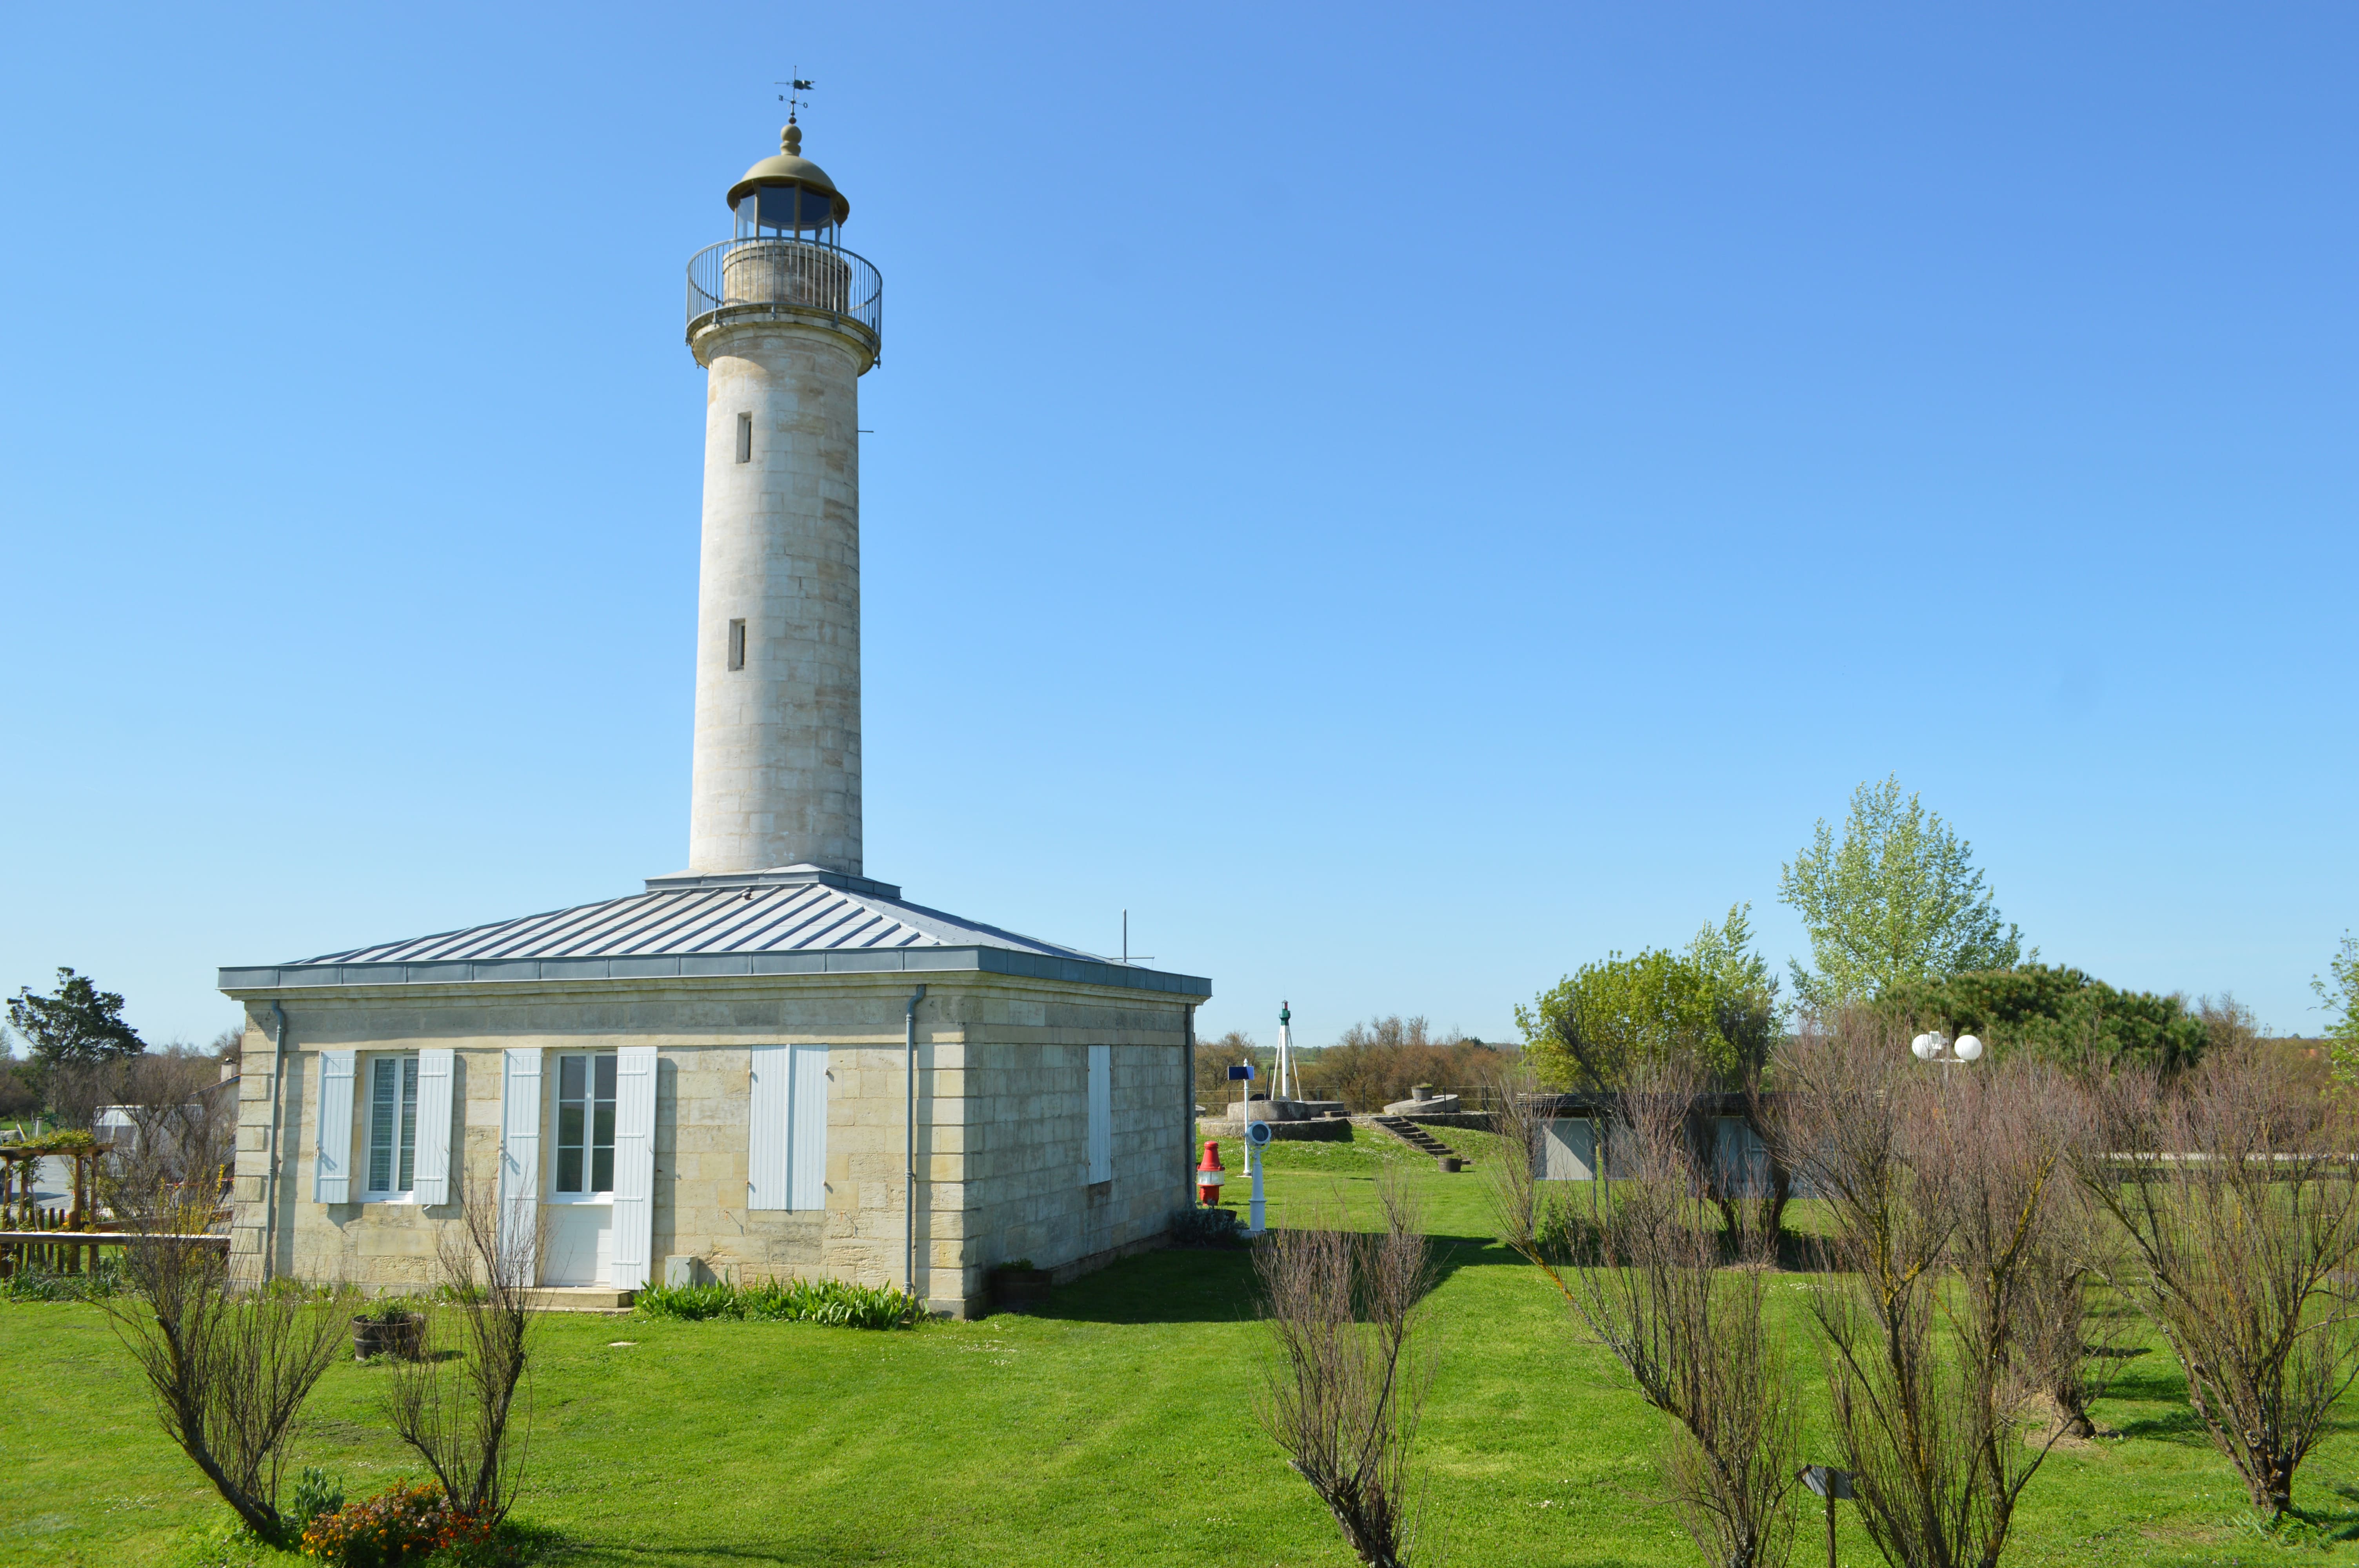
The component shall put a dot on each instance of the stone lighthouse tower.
(784, 322)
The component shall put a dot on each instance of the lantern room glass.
(787, 212)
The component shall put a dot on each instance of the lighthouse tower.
(784, 322)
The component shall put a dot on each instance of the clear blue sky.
(1404, 501)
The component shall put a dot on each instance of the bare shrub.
(230, 1363)
(1944, 1198)
(184, 1126)
(461, 1413)
(1345, 1389)
(1372, 1065)
(2073, 1353)
(2235, 1188)
(1681, 1302)
(1215, 1088)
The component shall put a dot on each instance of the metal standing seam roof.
(775, 918)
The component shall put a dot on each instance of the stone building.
(767, 1065)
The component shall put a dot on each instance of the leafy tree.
(78, 1023)
(1604, 1022)
(20, 1088)
(1896, 900)
(1213, 1060)
(1746, 1002)
(2341, 1000)
(1725, 953)
(2053, 1014)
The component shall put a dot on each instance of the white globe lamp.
(1968, 1048)
(1922, 1047)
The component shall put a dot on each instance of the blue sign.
(1241, 1071)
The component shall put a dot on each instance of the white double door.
(577, 1143)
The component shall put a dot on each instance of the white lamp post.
(1943, 1049)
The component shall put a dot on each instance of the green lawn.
(1114, 1428)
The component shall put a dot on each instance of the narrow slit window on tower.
(737, 645)
(744, 437)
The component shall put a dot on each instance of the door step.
(577, 1298)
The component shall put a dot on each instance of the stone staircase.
(1415, 1137)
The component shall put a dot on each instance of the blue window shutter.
(634, 1165)
(809, 1128)
(431, 1184)
(520, 1161)
(332, 1141)
(1101, 1113)
(769, 1091)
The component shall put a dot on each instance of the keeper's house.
(767, 1066)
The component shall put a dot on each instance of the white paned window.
(392, 1127)
(586, 1124)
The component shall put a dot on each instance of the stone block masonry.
(1003, 1121)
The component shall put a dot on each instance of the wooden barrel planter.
(389, 1334)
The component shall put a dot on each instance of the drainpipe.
(271, 1163)
(909, 1188)
(1188, 1113)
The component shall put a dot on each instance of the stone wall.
(775, 774)
(1001, 1120)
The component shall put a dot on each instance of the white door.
(580, 1198)
(581, 1244)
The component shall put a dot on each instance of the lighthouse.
(784, 322)
(768, 1064)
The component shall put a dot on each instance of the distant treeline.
(1368, 1068)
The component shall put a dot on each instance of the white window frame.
(369, 1065)
(553, 1129)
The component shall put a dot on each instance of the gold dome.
(791, 167)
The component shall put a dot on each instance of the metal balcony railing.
(792, 275)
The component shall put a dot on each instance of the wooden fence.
(52, 1246)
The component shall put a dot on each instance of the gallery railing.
(794, 275)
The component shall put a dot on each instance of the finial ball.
(790, 140)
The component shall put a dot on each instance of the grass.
(1113, 1427)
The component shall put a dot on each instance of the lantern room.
(788, 196)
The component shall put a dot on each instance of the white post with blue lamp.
(1257, 1136)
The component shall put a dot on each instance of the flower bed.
(403, 1524)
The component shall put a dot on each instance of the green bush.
(830, 1301)
(104, 1279)
(2053, 1014)
(315, 1495)
(1206, 1227)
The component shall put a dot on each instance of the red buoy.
(1208, 1174)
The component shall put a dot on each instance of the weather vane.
(793, 95)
